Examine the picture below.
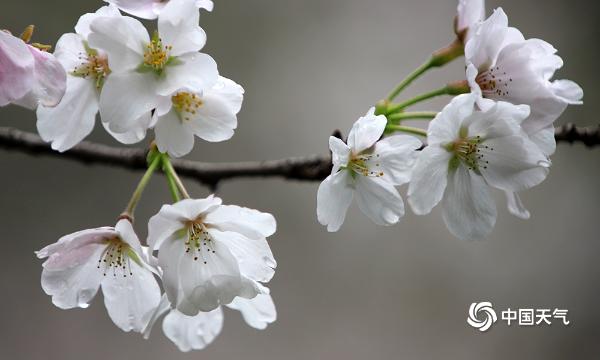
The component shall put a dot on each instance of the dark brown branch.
(310, 168)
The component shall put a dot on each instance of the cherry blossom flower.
(73, 119)
(210, 253)
(146, 69)
(503, 66)
(197, 332)
(470, 151)
(150, 9)
(469, 14)
(28, 76)
(371, 169)
(210, 115)
(79, 264)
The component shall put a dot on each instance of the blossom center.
(362, 164)
(93, 65)
(199, 242)
(186, 104)
(116, 258)
(469, 151)
(494, 82)
(156, 55)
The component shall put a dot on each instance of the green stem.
(410, 78)
(173, 187)
(397, 117)
(170, 172)
(406, 129)
(137, 194)
(453, 88)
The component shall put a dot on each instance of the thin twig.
(309, 168)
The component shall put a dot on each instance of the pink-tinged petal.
(178, 27)
(258, 312)
(173, 135)
(16, 68)
(49, 81)
(429, 179)
(379, 200)
(333, 199)
(125, 99)
(193, 332)
(61, 254)
(131, 299)
(469, 210)
(122, 38)
(248, 222)
(254, 256)
(68, 123)
(366, 131)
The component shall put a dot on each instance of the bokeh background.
(401, 292)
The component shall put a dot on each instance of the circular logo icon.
(482, 316)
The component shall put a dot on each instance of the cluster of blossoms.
(206, 255)
(498, 133)
(202, 255)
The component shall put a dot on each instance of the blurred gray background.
(309, 67)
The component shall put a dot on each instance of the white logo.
(482, 316)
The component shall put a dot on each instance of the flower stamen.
(359, 164)
(115, 257)
(93, 65)
(186, 104)
(198, 239)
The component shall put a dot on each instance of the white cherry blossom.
(66, 124)
(150, 9)
(210, 253)
(145, 68)
(469, 152)
(79, 264)
(369, 168)
(503, 66)
(28, 76)
(210, 115)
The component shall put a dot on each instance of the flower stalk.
(406, 129)
(137, 194)
(173, 178)
(453, 88)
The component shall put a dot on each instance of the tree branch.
(309, 168)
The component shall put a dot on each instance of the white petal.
(193, 332)
(66, 124)
(16, 70)
(230, 92)
(333, 199)
(396, 156)
(145, 9)
(257, 312)
(215, 120)
(469, 13)
(515, 205)
(469, 210)
(178, 27)
(340, 153)
(131, 299)
(169, 256)
(136, 134)
(173, 135)
(69, 50)
(122, 38)
(445, 127)
(487, 40)
(248, 222)
(125, 99)
(429, 179)
(207, 285)
(366, 131)
(254, 256)
(568, 90)
(379, 200)
(128, 235)
(195, 71)
(163, 306)
(49, 81)
(501, 119)
(163, 225)
(193, 208)
(514, 163)
(544, 139)
(83, 24)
